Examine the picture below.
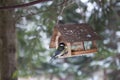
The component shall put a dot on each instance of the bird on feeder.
(79, 39)
(60, 51)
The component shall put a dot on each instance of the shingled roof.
(77, 32)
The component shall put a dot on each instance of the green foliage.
(15, 74)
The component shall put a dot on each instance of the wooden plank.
(52, 41)
(76, 43)
(94, 44)
(84, 52)
(83, 45)
(57, 40)
(69, 49)
(79, 53)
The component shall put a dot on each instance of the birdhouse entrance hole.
(78, 39)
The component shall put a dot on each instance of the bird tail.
(52, 58)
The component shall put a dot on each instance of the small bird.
(60, 49)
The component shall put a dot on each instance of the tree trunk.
(7, 42)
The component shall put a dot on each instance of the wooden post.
(69, 49)
(57, 39)
(83, 45)
(53, 38)
(94, 44)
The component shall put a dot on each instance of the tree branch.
(23, 5)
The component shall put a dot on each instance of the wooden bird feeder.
(78, 38)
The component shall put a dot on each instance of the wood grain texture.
(7, 43)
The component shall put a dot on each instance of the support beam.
(69, 49)
(57, 39)
(83, 46)
(94, 44)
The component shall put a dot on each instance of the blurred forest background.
(34, 25)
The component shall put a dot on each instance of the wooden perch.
(84, 52)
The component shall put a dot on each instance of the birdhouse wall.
(88, 45)
(53, 38)
(69, 49)
(57, 39)
(78, 45)
(94, 44)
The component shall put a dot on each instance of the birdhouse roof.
(77, 32)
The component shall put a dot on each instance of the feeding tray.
(79, 39)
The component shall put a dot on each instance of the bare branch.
(23, 5)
